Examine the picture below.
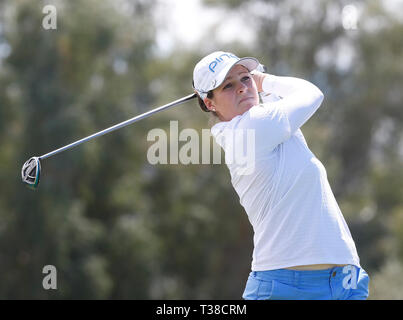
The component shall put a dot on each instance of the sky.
(185, 22)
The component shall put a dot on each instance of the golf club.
(31, 170)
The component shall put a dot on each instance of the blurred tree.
(387, 284)
(114, 226)
(118, 227)
(357, 133)
(59, 85)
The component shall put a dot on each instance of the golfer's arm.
(300, 98)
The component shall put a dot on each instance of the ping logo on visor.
(219, 59)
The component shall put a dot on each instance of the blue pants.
(338, 283)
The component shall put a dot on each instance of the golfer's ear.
(209, 103)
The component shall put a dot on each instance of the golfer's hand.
(258, 77)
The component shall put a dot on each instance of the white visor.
(210, 72)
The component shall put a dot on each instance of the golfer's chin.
(246, 105)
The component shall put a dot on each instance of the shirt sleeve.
(300, 98)
(276, 121)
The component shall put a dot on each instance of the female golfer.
(303, 248)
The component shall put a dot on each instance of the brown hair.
(201, 102)
(203, 106)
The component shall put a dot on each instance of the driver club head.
(31, 172)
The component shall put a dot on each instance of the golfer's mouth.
(245, 99)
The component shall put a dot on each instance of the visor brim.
(247, 62)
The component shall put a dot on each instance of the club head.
(31, 172)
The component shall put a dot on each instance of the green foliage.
(360, 122)
(117, 227)
(387, 284)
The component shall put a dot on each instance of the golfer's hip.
(337, 283)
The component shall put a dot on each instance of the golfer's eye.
(246, 78)
(227, 86)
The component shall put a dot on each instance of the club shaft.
(120, 125)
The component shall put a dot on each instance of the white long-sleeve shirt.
(285, 191)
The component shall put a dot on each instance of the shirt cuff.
(268, 83)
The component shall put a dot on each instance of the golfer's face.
(236, 95)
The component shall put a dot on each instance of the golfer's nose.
(241, 87)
